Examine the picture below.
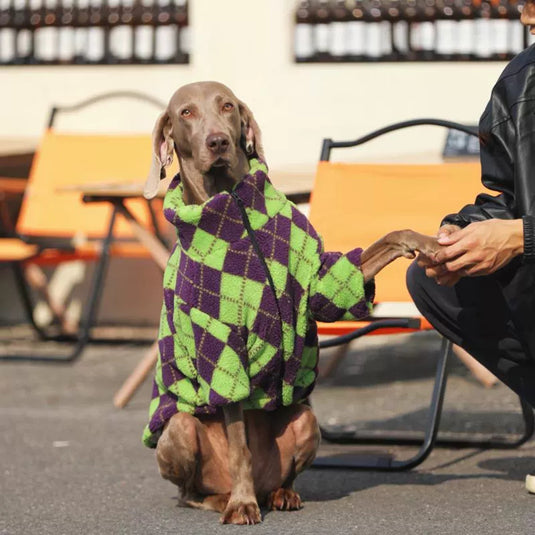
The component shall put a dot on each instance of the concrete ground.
(72, 464)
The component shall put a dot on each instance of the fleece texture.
(223, 336)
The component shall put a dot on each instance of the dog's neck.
(199, 187)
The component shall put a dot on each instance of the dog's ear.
(250, 132)
(162, 154)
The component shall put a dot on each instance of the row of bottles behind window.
(353, 30)
(93, 31)
(35, 13)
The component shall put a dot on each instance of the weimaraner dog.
(232, 463)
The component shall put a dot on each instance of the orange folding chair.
(55, 225)
(354, 205)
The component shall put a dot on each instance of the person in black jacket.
(479, 291)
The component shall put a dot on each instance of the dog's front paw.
(284, 500)
(241, 513)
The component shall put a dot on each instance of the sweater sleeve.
(338, 291)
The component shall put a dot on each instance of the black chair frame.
(430, 437)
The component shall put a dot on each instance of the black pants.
(492, 317)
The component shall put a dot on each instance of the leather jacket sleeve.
(507, 141)
(497, 173)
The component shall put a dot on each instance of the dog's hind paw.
(284, 500)
(241, 513)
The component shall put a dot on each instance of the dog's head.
(212, 132)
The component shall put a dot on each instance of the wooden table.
(296, 186)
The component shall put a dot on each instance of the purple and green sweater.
(221, 337)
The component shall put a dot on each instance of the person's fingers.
(449, 239)
(462, 262)
(445, 230)
(480, 268)
(447, 254)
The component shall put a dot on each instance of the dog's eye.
(185, 112)
(228, 106)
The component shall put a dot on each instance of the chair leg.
(383, 463)
(137, 377)
(24, 293)
(37, 279)
(430, 437)
(91, 310)
(335, 360)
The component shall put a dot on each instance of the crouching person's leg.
(474, 315)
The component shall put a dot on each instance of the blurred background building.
(308, 69)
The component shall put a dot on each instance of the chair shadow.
(327, 485)
(462, 422)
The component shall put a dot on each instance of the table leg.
(136, 378)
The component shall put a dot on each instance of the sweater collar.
(219, 216)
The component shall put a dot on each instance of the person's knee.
(416, 278)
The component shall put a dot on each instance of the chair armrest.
(401, 323)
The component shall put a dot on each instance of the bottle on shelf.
(96, 35)
(374, 38)
(447, 30)
(7, 33)
(46, 34)
(166, 34)
(399, 29)
(144, 31)
(428, 13)
(339, 41)
(23, 34)
(304, 47)
(181, 19)
(465, 29)
(500, 29)
(409, 13)
(66, 32)
(356, 30)
(386, 30)
(166, 43)
(81, 22)
(121, 34)
(322, 30)
(34, 21)
(516, 30)
(483, 30)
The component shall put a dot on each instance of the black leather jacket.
(507, 141)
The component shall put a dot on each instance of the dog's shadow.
(320, 485)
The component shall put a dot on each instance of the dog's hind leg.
(177, 453)
(302, 424)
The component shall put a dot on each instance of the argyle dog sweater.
(223, 337)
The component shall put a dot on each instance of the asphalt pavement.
(73, 464)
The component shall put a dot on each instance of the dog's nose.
(218, 143)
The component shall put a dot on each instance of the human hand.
(481, 248)
(438, 271)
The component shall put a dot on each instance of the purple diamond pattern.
(240, 260)
(208, 349)
(197, 288)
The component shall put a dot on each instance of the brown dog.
(232, 464)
